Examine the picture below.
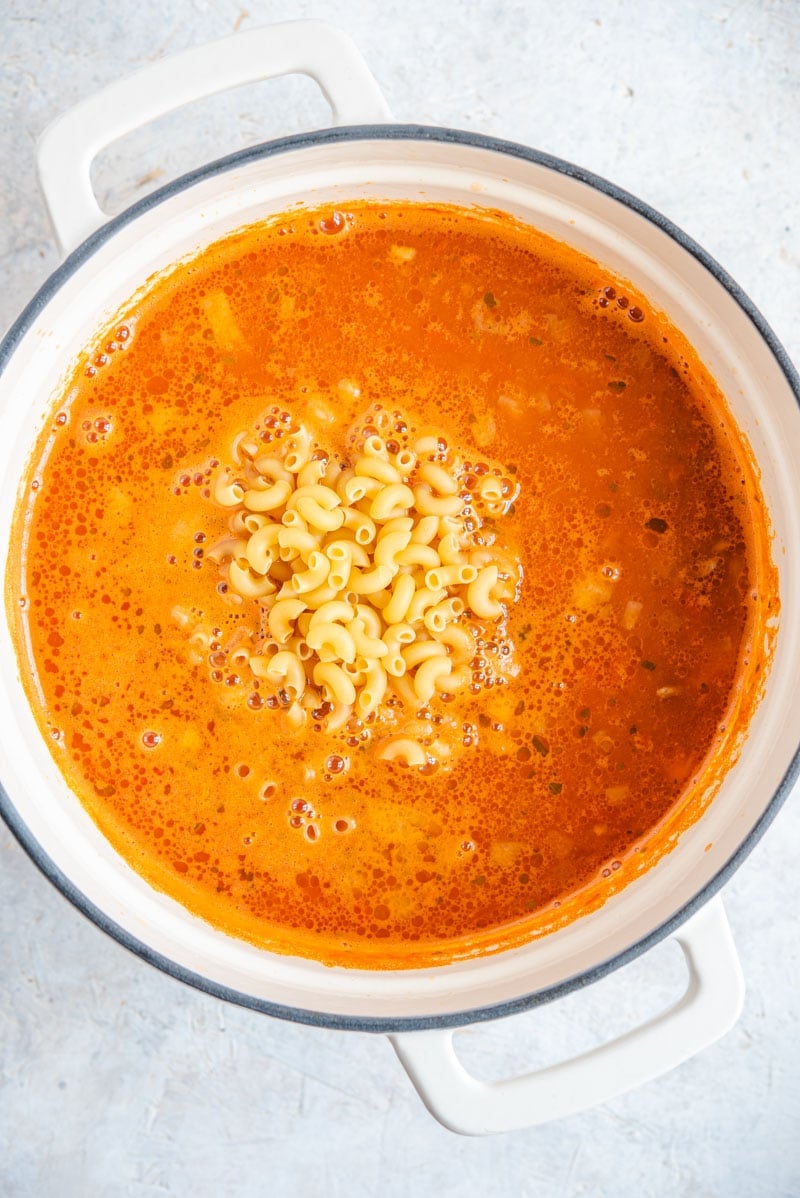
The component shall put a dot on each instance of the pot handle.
(708, 1009)
(69, 145)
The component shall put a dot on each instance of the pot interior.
(413, 165)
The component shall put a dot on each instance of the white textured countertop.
(117, 1080)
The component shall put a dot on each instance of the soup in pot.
(392, 584)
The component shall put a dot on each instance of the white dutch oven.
(368, 157)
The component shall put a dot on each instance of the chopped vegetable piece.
(617, 794)
(630, 616)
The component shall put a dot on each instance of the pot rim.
(394, 132)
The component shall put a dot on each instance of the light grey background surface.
(116, 1080)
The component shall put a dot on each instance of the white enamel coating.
(414, 169)
(709, 1007)
(70, 144)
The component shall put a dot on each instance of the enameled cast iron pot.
(368, 156)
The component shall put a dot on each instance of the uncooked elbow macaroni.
(372, 586)
(479, 594)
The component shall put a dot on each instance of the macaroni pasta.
(373, 578)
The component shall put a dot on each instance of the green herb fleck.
(489, 300)
(536, 341)
(657, 525)
(540, 745)
(617, 385)
(648, 665)
(555, 788)
(481, 881)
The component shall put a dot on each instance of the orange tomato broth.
(639, 635)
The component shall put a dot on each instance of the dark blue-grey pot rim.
(525, 1002)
